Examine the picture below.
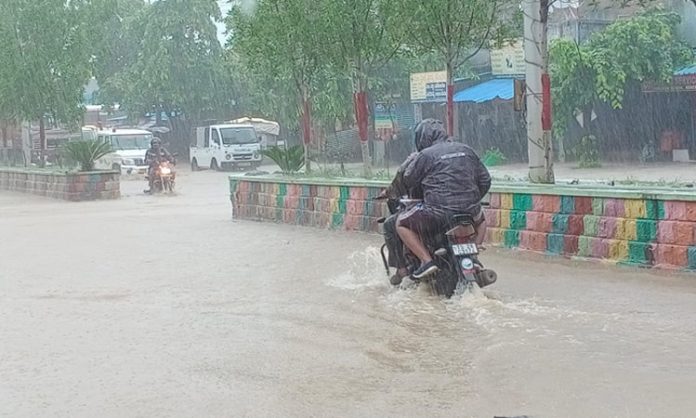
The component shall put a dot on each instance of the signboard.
(425, 84)
(508, 60)
(436, 91)
(679, 83)
(385, 120)
(384, 115)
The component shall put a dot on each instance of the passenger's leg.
(396, 250)
(409, 226)
(413, 242)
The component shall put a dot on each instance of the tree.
(643, 48)
(363, 36)
(282, 39)
(456, 30)
(539, 120)
(115, 45)
(44, 60)
(179, 69)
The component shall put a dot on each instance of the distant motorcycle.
(455, 253)
(164, 177)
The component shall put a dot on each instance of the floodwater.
(164, 307)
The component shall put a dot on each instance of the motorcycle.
(164, 177)
(455, 252)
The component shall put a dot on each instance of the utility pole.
(539, 145)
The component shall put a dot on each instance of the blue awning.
(687, 71)
(498, 88)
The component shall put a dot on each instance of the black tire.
(214, 165)
(194, 165)
(116, 167)
(444, 282)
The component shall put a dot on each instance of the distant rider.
(153, 157)
(453, 180)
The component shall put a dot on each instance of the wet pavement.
(163, 306)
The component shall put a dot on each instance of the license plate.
(244, 164)
(464, 249)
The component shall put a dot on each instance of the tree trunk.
(42, 142)
(450, 99)
(306, 124)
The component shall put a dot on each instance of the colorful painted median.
(637, 226)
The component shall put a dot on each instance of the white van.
(129, 145)
(225, 146)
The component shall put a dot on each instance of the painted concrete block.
(591, 224)
(614, 208)
(554, 243)
(618, 250)
(599, 248)
(512, 238)
(506, 201)
(535, 241)
(635, 209)
(560, 223)
(567, 205)
(675, 210)
(646, 230)
(504, 218)
(575, 225)
(492, 218)
(583, 205)
(672, 255)
(546, 203)
(495, 201)
(521, 201)
(570, 245)
(518, 219)
(625, 229)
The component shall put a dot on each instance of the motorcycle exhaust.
(486, 278)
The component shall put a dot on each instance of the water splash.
(365, 271)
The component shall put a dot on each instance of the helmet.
(155, 141)
(428, 132)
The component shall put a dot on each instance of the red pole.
(306, 122)
(546, 117)
(450, 109)
(361, 118)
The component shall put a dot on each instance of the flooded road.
(162, 306)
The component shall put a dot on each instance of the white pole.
(538, 141)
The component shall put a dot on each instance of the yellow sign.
(508, 60)
(422, 83)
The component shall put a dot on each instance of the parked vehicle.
(225, 146)
(455, 253)
(129, 145)
(267, 130)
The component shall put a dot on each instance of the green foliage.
(643, 48)
(587, 152)
(181, 63)
(277, 49)
(457, 29)
(44, 58)
(493, 157)
(86, 153)
(289, 160)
